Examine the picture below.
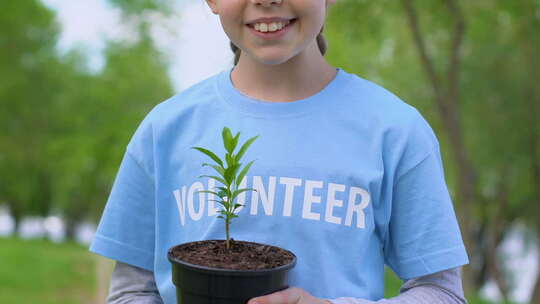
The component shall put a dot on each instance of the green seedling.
(227, 172)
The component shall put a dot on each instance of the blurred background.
(77, 77)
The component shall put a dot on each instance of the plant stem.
(228, 218)
(227, 231)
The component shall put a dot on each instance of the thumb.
(290, 295)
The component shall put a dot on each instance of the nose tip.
(266, 3)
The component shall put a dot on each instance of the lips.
(289, 21)
(273, 35)
(269, 20)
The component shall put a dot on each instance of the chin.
(271, 56)
(273, 59)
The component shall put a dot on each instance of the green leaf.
(243, 173)
(238, 191)
(229, 173)
(226, 190)
(206, 191)
(219, 201)
(210, 154)
(236, 168)
(219, 169)
(223, 188)
(219, 216)
(244, 147)
(235, 141)
(227, 139)
(230, 160)
(223, 193)
(226, 204)
(215, 200)
(221, 180)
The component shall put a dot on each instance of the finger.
(290, 295)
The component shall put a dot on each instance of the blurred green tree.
(108, 108)
(65, 128)
(28, 84)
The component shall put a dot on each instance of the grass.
(391, 284)
(39, 271)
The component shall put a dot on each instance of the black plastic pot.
(197, 284)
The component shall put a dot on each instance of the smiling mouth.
(267, 30)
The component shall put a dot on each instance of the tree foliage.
(65, 129)
(28, 83)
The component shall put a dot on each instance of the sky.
(191, 37)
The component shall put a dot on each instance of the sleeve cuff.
(118, 251)
(432, 263)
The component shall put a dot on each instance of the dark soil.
(241, 256)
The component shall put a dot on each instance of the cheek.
(232, 12)
(230, 25)
(313, 15)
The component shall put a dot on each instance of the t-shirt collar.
(260, 108)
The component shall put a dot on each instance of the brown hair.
(321, 42)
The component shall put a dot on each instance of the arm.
(442, 288)
(439, 288)
(130, 284)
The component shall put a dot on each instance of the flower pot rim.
(225, 271)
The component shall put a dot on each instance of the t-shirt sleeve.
(126, 231)
(423, 236)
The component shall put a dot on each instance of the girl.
(348, 176)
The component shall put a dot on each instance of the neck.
(300, 77)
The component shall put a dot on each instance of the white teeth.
(270, 27)
(273, 27)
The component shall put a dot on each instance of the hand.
(291, 295)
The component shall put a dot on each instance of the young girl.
(348, 176)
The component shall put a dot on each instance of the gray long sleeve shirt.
(130, 284)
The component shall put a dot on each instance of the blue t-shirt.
(349, 179)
